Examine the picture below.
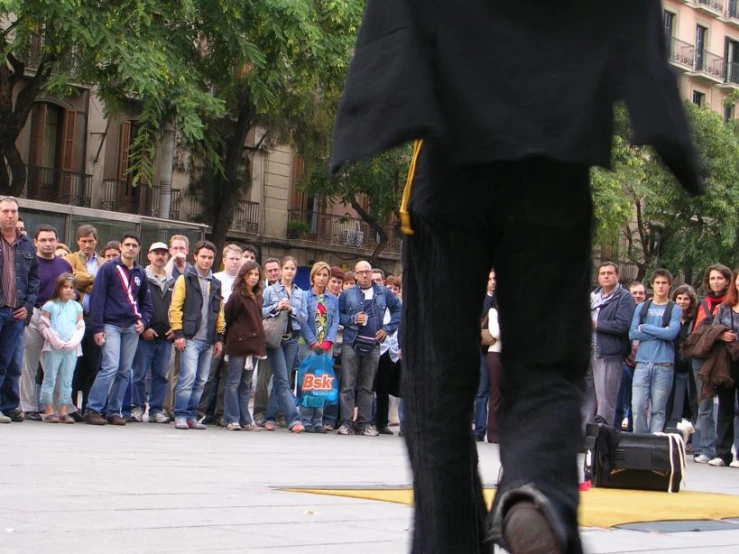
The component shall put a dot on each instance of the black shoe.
(77, 417)
(309, 429)
(16, 416)
(527, 531)
(33, 416)
(207, 420)
(385, 431)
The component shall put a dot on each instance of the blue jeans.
(623, 401)
(11, 333)
(704, 439)
(311, 417)
(236, 392)
(481, 399)
(151, 355)
(651, 382)
(58, 365)
(281, 397)
(681, 389)
(194, 370)
(119, 349)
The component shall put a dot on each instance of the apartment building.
(703, 47)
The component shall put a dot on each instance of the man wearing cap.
(155, 346)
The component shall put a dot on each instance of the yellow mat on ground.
(599, 507)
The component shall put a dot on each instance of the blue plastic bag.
(317, 383)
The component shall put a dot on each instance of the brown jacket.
(244, 328)
(83, 279)
(716, 368)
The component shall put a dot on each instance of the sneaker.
(701, 459)
(717, 462)
(344, 429)
(525, 529)
(117, 420)
(370, 431)
(195, 424)
(161, 417)
(180, 423)
(297, 428)
(32, 416)
(4, 418)
(16, 416)
(137, 415)
(233, 427)
(735, 463)
(385, 431)
(94, 418)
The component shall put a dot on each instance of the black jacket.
(614, 321)
(161, 298)
(507, 79)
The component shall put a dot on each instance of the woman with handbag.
(244, 345)
(716, 281)
(285, 312)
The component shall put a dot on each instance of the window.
(701, 35)
(731, 55)
(669, 21)
(699, 99)
(728, 112)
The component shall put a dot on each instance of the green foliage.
(660, 224)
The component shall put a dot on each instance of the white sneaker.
(137, 415)
(159, 418)
(735, 463)
(717, 462)
(233, 427)
(701, 459)
(4, 418)
(181, 423)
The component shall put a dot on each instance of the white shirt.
(494, 329)
(227, 283)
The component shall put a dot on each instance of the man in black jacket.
(513, 100)
(611, 310)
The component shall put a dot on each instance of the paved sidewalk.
(147, 488)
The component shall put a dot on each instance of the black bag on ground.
(637, 461)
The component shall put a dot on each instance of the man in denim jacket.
(19, 284)
(361, 311)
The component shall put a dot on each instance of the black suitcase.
(637, 461)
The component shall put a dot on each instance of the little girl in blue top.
(63, 328)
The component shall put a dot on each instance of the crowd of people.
(98, 338)
(657, 364)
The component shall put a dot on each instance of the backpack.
(666, 315)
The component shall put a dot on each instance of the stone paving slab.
(150, 489)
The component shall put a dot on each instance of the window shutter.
(38, 125)
(67, 150)
(124, 144)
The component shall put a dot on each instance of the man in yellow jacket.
(196, 317)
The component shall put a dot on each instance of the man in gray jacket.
(611, 309)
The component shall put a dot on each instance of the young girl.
(63, 328)
(244, 343)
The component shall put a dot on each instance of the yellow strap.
(405, 218)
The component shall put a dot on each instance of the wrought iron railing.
(57, 185)
(716, 5)
(120, 195)
(710, 64)
(681, 52)
(338, 230)
(246, 217)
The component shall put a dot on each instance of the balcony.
(32, 53)
(681, 53)
(344, 231)
(57, 185)
(732, 13)
(245, 218)
(121, 196)
(174, 205)
(714, 7)
(709, 66)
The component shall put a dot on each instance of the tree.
(270, 62)
(127, 50)
(662, 225)
(381, 179)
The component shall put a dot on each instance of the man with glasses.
(19, 284)
(121, 310)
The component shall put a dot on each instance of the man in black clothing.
(502, 180)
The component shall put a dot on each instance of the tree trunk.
(12, 171)
(375, 226)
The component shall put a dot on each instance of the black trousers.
(87, 367)
(532, 221)
(727, 398)
(386, 383)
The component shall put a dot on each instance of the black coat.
(506, 79)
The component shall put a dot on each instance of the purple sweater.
(48, 271)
